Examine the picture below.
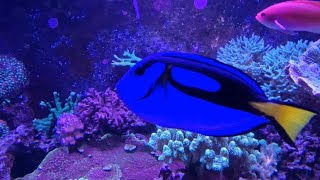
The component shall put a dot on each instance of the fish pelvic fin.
(290, 118)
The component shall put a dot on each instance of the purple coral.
(306, 75)
(69, 129)
(103, 112)
(306, 72)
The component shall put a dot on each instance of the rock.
(130, 148)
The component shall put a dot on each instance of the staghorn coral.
(104, 111)
(69, 129)
(306, 72)
(47, 124)
(129, 59)
(213, 153)
(13, 77)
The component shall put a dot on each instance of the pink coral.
(69, 129)
(103, 112)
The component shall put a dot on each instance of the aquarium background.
(63, 59)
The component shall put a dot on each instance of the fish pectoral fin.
(284, 29)
(290, 118)
(281, 26)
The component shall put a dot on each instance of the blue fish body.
(195, 93)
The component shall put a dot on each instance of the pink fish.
(292, 16)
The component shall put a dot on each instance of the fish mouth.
(257, 17)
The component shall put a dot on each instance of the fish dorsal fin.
(214, 63)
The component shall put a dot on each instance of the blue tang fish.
(202, 95)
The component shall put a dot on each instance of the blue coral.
(275, 84)
(264, 64)
(213, 153)
(244, 53)
(13, 77)
(44, 124)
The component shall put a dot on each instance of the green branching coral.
(213, 153)
(47, 124)
(129, 59)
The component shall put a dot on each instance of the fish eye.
(139, 71)
(263, 14)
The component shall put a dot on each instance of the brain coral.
(13, 77)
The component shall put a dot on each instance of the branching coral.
(275, 83)
(264, 65)
(47, 124)
(244, 53)
(213, 153)
(129, 59)
(13, 77)
(104, 111)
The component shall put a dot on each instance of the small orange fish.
(292, 16)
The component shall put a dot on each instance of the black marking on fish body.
(234, 92)
(231, 94)
(200, 66)
(161, 80)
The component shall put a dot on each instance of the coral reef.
(213, 153)
(275, 83)
(101, 161)
(300, 162)
(244, 53)
(306, 72)
(17, 112)
(264, 64)
(102, 112)
(47, 124)
(303, 162)
(21, 135)
(13, 77)
(69, 129)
